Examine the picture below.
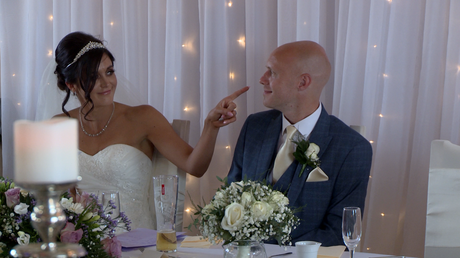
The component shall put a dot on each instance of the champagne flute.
(351, 228)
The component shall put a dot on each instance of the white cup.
(307, 249)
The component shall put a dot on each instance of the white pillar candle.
(46, 151)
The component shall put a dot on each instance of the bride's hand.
(224, 113)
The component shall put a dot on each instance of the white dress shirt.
(304, 126)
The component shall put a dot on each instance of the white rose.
(66, 203)
(24, 192)
(312, 152)
(23, 238)
(261, 210)
(233, 217)
(246, 198)
(278, 199)
(21, 208)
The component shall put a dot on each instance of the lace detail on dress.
(126, 169)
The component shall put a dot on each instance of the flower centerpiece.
(88, 223)
(246, 210)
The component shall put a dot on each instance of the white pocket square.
(317, 175)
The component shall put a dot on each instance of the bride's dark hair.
(83, 71)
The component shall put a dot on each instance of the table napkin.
(331, 251)
(141, 237)
(195, 242)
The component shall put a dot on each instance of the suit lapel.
(268, 148)
(319, 136)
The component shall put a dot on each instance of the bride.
(117, 141)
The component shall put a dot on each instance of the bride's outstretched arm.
(223, 114)
(194, 161)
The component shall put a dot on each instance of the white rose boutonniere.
(306, 152)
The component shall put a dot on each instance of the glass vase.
(245, 249)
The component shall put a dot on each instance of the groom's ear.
(304, 82)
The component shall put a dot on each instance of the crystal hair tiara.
(88, 47)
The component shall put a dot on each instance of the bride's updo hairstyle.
(78, 56)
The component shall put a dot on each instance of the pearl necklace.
(103, 129)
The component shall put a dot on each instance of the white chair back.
(442, 235)
(162, 166)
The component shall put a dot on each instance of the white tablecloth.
(217, 251)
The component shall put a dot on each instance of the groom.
(296, 74)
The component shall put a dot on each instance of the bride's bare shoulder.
(141, 112)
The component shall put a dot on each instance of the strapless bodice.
(123, 168)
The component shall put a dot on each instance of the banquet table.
(217, 251)
(140, 243)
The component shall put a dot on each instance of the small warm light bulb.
(389, 1)
(19, 104)
(380, 115)
(231, 76)
(50, 52)
(368, 249)
(370, 176)
(458, 68)
(51, 17)
(227, 147)
(14, 74)
(242, 41)
(385, 75)
(186, 109)
(375, 46)
(230, 4)
(183, 45)
(175, 78)
(188, 210)
(371, 141)
(111, 24)
(382, 214)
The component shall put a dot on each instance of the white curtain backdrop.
(395, 70)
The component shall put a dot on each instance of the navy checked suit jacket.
(345, 157)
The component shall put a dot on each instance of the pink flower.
(69, 235)
(112, 246)
(83, 199)
(12, 197)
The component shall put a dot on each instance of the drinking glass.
(165, 189)
(113, 197)
(351, 228)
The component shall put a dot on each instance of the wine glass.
(351, 228)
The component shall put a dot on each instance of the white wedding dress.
(129, 171)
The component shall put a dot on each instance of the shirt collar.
(306, 125)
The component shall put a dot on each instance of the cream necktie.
(284, 158)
